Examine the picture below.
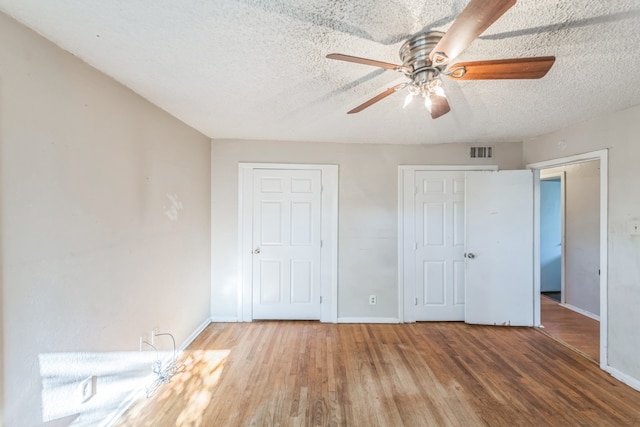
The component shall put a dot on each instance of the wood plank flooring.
(422, 374)
(574, 329)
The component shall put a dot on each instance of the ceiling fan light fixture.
(426, 57)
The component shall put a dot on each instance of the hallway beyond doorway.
(579, 332)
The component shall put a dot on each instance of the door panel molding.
(329, 236)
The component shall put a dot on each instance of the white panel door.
(439, 232)
(499, 248)
(286, 241)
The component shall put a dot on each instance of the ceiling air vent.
(481, 152)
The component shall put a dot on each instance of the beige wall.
(368, 213)
(618, 132)
(90, 257)
(582, 234)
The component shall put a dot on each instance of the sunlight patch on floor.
(194, 385)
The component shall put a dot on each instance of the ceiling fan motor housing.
(414, 54)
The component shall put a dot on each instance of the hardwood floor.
(575, 330)
(422, 374)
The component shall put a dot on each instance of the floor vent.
(481, 152)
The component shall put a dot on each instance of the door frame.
(561, 176)
(602, 156)
(328, 233)
(408, 172)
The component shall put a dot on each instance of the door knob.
(256, 251)
(470, 255)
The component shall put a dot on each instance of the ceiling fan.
(426, 57)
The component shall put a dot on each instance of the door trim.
(405, 172)
(328, 232)
(603, 156)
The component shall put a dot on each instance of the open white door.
(499, 248)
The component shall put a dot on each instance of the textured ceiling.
(256, 69)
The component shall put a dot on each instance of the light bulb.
(439, 91)
(435, 87)
(427, 103)
(408, 100)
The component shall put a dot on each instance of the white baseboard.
(141, 392)
(193, 335)
(368, 320)
(628, 380)
(581, 311)
(223, 319)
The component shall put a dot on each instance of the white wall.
(90, 258)
(368, 209)
(582, 234)
(618, 132)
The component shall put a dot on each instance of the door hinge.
(415, 190)
(320, 299)
(416, 303)
(415, 246)
(321, 243)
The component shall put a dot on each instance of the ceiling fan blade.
(474, 19)
(375, 99)
(439, 106)
(365, 61)
(516, 68)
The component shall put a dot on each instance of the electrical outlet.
(143, 340)
(88, 388)
(373, 300)
(634, 228)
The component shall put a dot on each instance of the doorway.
(569, 254)
(451, 266)
(579, 318)
(288, 219)
(431, 237)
